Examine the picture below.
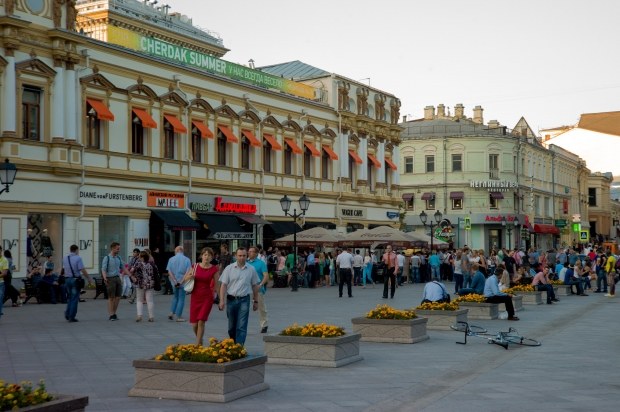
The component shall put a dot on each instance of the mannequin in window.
(46, 244)
(29, 249)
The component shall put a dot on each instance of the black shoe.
(583, 294)
(66, 317)
(350, 296)
(549, 303)
(555, 300)
(113, 317)
(384, 297)
(73, 320)
(598, 291)
(339, 296)
(264, 330)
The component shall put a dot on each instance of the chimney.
(404, 118)
(478, 115)
(429, 112)
(441, 111)
(493, 124)
(459, 111)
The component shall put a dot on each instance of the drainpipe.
(445, 175)
(339, 172)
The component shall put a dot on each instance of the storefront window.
(113, 229)
(45, 239)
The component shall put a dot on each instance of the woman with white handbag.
(203, 277)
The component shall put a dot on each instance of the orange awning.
(250, 136)
(355, 157)
(391, 164)
(230, 137)
(332, 155)
(176, 123)
(272, 141)
(145, 118)
(103, 113)
(291, 143)
(374, 161)
(315, 152)
(605, 122)
(203, 129)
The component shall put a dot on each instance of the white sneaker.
(609, 296)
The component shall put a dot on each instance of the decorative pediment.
(310, 129)
(98, 81)
(35, 66)
(457, 147)
(389, 147)
(201, 104)
(250, 115)
(354, 139)
(291, 124)
(227, 111)
(173, 98)
(271, 121)
(373, 143)
(328, 132)
(142, 91)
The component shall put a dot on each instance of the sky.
(548, 61)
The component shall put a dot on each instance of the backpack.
(617, 267)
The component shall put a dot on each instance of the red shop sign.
(229, 207)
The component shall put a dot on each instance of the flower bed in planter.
(480, 310)
(531, 298)
(442, 319)
(200, 381)
(562, 290)
(391, 330)
(330, 352)
(60, 403)
(517, 302)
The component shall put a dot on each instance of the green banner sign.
(183, 55)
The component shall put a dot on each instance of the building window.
(325, 162)
(221, 148)
(457, 162)
(430, 203)
(196, 145)
(137, 135)
(169, 141)
(267, 155)
(592, 196)
(93, 128)
(371, 176)
(408, 202)
(245, 153)
(430, 164)
(31, 113)
(493, 202)
(493, 166)
(307, 163)
(352, 172)
(288, 160)
(457, 204)
(409, 164)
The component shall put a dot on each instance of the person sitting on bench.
(477, 283)
(493, 295)
(435, 292)
(571, 278)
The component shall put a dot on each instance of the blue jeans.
(458, 282)
(415, 274)
(73, 298)
(1, 296)
(435, 274)
(467, 280)
(238, 311)
(178, 301)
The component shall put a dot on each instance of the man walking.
(358, 262)
(178, 265)
(112, 267)
(389, 276)
(344, 262)
(263, 275)
(238, 281)
(73, 268)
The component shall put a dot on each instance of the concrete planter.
(517, 302)
(531, 298)
(391, 330)
(562, 290)
(304, 351)
(194, 381)
(480, 310)
(442, 319)
(60, 403)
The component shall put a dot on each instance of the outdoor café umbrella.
(316, 236)
(378, 235)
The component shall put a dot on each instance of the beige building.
(497, 187)
(130, 127)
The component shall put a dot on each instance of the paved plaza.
(576, 368)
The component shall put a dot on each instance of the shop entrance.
(494, 240)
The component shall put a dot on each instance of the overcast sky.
(546, 60)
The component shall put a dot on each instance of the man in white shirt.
(358, 262)
(400, 260)
(344, 262)
(435, 292)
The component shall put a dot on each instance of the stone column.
(9, 102)
(381, 159)
(362, 171)
(58, 103)
(343, 154)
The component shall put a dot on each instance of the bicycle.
(500, 338)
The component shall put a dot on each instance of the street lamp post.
(7, 175)
(516, 224)
(304, 204)
(424, 217)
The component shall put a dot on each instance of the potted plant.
(313, 345)
(478, 307)
(386, 324)
(560, 288)
(219, 372)
(530, 295)
(441, 315)
(24, 397)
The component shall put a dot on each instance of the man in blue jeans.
(178, 265)
(238, 280)
(73, 268)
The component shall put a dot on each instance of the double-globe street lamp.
(7, 175)
(515, 224)
(424, 218)
(304, 204)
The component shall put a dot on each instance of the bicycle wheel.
(520, 340)
(473, 329)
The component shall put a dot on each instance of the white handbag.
(188, 286)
